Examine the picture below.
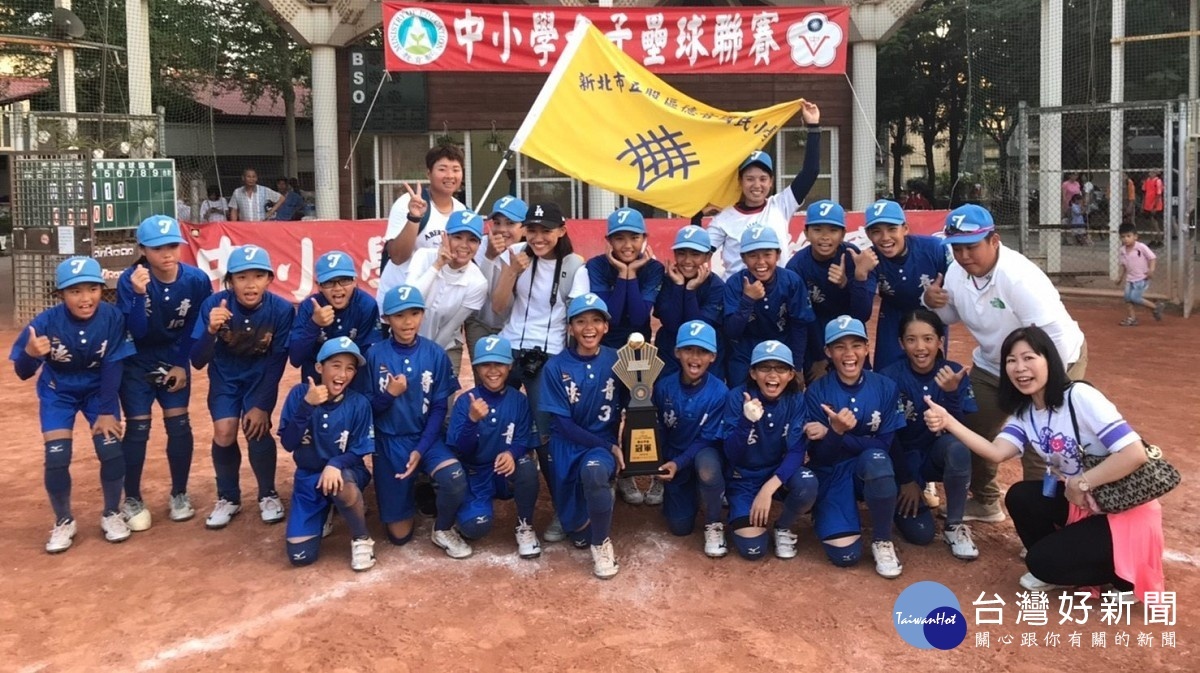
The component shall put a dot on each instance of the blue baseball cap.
(335, 264)
(76, 270)
(885, 211)
(968, 224)
(511, 207)
(492, 349)
(697, 333)
(400, 298)
(626, 219)
(248, 258)
(844, 325)
(339, 345)
(465, 221)
(826, 212)
(772, 350)
(758, 237)
(587, 302)
(692, 237)
(758, 157)
(159, 230)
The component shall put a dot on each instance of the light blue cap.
(465, 221)
(335, 264)
(492, 348)
(76, 270)
(511, 207)
(772, 350)
(248, 258)
(692, 237)
(826, 212)
(626, 219)
(968, 224)
(400, 298)
(159, 230)
(587, 302)
(697, 333)
(844, 325)
(758, 157)
(885, 211)
(339, 345)
(758, 237)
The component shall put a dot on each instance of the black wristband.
(412, 218)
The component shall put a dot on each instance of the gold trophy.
(638, 366)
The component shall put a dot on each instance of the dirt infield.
(179, 597)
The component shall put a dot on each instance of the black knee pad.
(138, 431)
(843, 557)
(58, 454)
(398, 541)
(178, 426)
(107, 448)
(303, 553)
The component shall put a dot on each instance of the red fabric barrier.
(294, 245)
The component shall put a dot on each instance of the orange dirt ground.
(179, 597)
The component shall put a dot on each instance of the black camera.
(530, 362)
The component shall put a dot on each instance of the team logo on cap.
(417, 36)
(538, 211)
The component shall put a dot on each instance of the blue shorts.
(231, 398)
(1135, 289)
(836, 511)
(57, 408)
(395, 496)
(681, 497)
(306, 516)
(742, 486)
(484, 487)
(566, 461)
(138, 394)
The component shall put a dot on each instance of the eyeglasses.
(337, 282)
(772, 368)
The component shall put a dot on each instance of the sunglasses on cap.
(957, 225)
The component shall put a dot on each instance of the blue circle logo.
(927, 615)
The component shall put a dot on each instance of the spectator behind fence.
(291, 206)
(215, 207)
(249, 202)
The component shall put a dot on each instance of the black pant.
(1077, 555)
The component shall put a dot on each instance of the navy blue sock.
(880, 495)
(525, 487)
(180, 447)
(58, 477)
(133, 445)
(712, 483)
(543, 457)
(112, 470)
(350, 504)
(599, 498)
(451, 492)
(262, 461)
(227, 463)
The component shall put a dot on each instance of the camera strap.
(558, 264)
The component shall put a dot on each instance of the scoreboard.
(127, 191)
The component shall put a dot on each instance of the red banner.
(509, 38)
(294, 245)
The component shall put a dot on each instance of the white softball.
(636, 340)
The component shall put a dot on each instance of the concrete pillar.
(1050, 136)
(325, 136)
(862, 179)
(1116, 137)
(1194, 52)
(66, 78)
(137, 27)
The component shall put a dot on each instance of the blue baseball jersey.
(775, 442)
(427, 369)
(690, 416)
(244, 343)
(584, 389)
(627, 317)
(359, 321)
(829, 301)
(677, 305)
(783, 314)
(902, 281)
(875, 401)
(162, 320)
(507, 427)
(78, 348)
(343, 428)
(913, 387)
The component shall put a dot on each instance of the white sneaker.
(785, 543)
(181, 507)
(114, 527)
(554, 532)
(714, 540)
(931, 495)
(223, 512)
(654, 494)
(527, 541)
(362, 554)
(604, 560)
(452, 542)
(629, 491)
(961, 544)
(1024, 551)
(327, 529)
(1028, 581)
(61, 536)
(137, 517)
(887, 564)
(271, 508)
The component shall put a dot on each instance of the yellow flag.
(606, 120)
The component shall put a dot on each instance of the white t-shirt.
(1015, 294)
(394, 275)
(1102, 430)
(214, 211)
(491, 271)
(726, 227)
(533, 322)
(450, 296)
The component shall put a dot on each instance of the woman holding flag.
(755, 175)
